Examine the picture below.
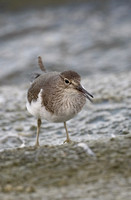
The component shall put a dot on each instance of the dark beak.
(86, 94)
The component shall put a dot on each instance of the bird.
(56, 97)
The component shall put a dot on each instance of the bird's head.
(71, 80)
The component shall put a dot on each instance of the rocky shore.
(68, 171)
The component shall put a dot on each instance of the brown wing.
(38, 84)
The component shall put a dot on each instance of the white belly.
(63, 113)
(39, 111)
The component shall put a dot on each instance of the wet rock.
(60, 168)
(19, 188)
(8, 188)
(30, 189)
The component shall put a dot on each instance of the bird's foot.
(68, 141)
(37, 145)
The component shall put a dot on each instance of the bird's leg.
(38, 131)
(67, 135)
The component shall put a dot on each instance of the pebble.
(8, 188)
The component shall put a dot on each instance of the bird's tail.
(36, 75)
(40, 63)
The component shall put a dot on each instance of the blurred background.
(89, 36)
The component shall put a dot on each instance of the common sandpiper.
(56, 97)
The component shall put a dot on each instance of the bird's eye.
(67, 81)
